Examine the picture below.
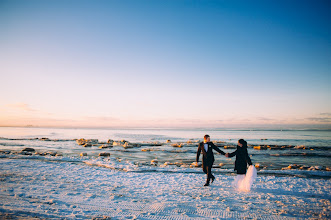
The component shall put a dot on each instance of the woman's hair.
(243, 142)
(206, 136)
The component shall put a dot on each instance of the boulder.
(26, 153)
(128, 145)
(83, 141)
(104, 154)
(29, 149)
(106, 146)
(83, 154)
(5, 151)
(51, 153)
(168, 141)
(260, 147)
(229, 147)
(87, 145)
(177, 145)
(154, 162)
(110, 141)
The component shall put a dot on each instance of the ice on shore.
(47, 189)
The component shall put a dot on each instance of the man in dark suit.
(206, 147)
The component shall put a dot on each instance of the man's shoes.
(212, 179)
(206, 184)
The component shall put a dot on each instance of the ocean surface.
(305, 148)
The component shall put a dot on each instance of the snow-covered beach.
(39, 187)
(155, 179)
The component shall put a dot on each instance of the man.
(206, 147)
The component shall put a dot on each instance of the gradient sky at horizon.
(164, 63)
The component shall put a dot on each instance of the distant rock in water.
(29, 149)
(5, 151)
(87, 145)
(104, 154)
(110, 141)
(83, 141)
(106, 146)
(168, 141)
(83, 154)
(177, 145)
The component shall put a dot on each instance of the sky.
(153, 63)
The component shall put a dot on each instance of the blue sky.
(164, 63)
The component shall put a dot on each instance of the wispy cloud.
(21, 106)
(323, 118)
(320, 119)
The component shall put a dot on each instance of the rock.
(83, 141)
(146, 149)
(229, 147)
(260, 147)
(44, 139)
(26, 153)
(106, 146)
(59, 155)
(168, 141)
(51, 153)
(5, 151)
(154, 162)
(104, 154)
(128, 145)
(293, 166)
(177, 145)
(110, 141)
(300, 147)
(304, 167)
(29, 149)
(257, 165)
(221, 164)
(87, 145)
(83, 154)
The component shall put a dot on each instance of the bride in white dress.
(245, 178)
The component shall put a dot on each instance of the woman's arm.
(232, 154)
(248, 159)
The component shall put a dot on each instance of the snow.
(101, 188)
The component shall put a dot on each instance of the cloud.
(320, 119)
(21, 106)
(326, 114)
(264, 119)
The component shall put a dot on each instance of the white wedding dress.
(244, 182)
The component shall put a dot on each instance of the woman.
(243, 181)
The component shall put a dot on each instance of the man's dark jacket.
(207, 157)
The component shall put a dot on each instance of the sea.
(305, 152)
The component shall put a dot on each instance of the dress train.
(244, 182)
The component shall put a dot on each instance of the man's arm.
(198, 153)
(216, 148)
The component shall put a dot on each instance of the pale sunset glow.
(165, 63)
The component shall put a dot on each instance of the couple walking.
(242, 159)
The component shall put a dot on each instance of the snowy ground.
(64, 190)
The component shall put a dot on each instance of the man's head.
(206, 138)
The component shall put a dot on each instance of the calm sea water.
(317, 142)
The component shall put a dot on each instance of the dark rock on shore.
(104, 154)
(28, 149)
